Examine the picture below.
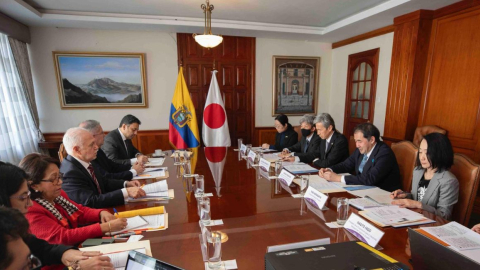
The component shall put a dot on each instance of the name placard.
(251, 156)
(286, 177)
(264, 165)
(315, 198)
(243, 148)
(363, 230)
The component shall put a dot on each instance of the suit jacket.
(47, 253)
(110, 169)
(336, 153)
(79, 186)
(312, 148)
(441, 195)
(381, 169)
(47, 227)
(115, 150)
(290, 138)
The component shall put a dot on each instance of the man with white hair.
(109, 168)
(83, 182)
(306, 149)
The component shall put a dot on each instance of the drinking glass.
(240, 142)
(214, 249)
(200, 185)
(249, 147)
(278, 167)
(205, 211)
(176, 158)
(342, 210)
(304, 183)
(259, 156)
(187, 167)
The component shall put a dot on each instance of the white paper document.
(300, 168)
(322, 185)
(153, 222)
(134, 238)
(155, 169)
(133, 223)
(156, 187)
(392, 215)
(363, 203)
(152, 162)
(119, 259)
(271, 157)
(150, 174)
(456, 235)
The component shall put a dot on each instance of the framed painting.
(295, 85)
(101, 80)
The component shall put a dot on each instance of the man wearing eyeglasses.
(109, 168)
(118, 143)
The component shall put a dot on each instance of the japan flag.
(215, 125)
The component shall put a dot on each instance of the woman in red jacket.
(53, 216)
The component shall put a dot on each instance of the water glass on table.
(249, 147)
(187, 167)
(214, 250)
(200, 185)
(240, 142)
(205, 210)
(304, 179)
(342, 210)
(278, 167)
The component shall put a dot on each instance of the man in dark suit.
(305, 149)
(333, 146)
(373, 162)
(110, 169)
(84, 182)
(118, 143)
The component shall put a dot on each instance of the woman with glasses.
(53, 216)
(286, 135)
(15, 194)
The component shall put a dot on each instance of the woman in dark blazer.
(286, 135)
(434, 187)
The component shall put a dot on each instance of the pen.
(142, 186)
(115, 210)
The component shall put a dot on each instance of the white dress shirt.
(132, 160)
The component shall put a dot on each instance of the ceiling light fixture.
(208, 40)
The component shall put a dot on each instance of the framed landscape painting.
(295, 85)
(100, 80)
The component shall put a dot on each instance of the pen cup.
(304, 183)
(342, 210)
(214, 250)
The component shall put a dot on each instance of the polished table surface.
(256, 212)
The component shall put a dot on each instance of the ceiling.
(313, 20)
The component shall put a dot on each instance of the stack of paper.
(456, 235)
(119, 259)
(155, 191)
(118, 252)
(372, 197)
(133, 223)
(364, 203)
(262, 150)
(155, 218)
(394, 216)
(300, 168)
(322, 185)
(271, 157)
(154, 162)
(151, 173)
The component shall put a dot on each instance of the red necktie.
(92, 173)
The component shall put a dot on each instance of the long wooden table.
(256, 214)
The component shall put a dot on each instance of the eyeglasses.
(98, 134)
(22, 197)
(54, 181)
(34, 263)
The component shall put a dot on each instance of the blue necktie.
(306, 146)
(362, 164)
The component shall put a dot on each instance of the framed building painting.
(295, 85)
(101, 80)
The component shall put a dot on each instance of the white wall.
(266, 48)
(339, 78)
(161, 66)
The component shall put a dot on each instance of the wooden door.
(361, 88)
(234, 60)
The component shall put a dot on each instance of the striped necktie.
(92, 173)
(362, 164)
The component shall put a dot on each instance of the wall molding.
(364, 36)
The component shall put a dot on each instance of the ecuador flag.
(183, 127)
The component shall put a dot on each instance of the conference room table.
(256, 212)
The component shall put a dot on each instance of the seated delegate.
(15, 194)
(333, 146)
(305, 150)
(434, 187)
(286, 136)
(53, 217)
(373, 162)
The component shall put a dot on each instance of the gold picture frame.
(295, 81)
(101, 80)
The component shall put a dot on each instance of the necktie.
(92, 173)
(326, 148)
(306, 146)
(362, 164)
(126, 147)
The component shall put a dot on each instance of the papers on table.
(262, 150)
(134, 238)
(133, 223)
(119, 259)
(373, 197)
(118, 248)
(394, 216)
(150, 174)
(456, 235)
(153, 162)
(155, 169)
(271, 157)
(322, 185)
(156, 187)
(357, 187)
(153, 222)
(364, 203)
(300, 168)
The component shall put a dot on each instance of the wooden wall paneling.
(452, 90)
(409, 57)
(265, 135)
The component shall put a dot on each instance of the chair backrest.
(467, 173)
(299, 132)
(406, 154)
(62, 153)
(351, 145)
(420, 132)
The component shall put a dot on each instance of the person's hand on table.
(265, 146)
(322, 171)
(86, 259)
(398, 194)
(106, 216)
(142, 159)
(97, 263)
(331, 176)
(288, 159)
(407, 203)
(138, 167)
(135, 192)
(476, 228)
(134, 183)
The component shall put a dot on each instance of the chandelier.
(208, 40)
